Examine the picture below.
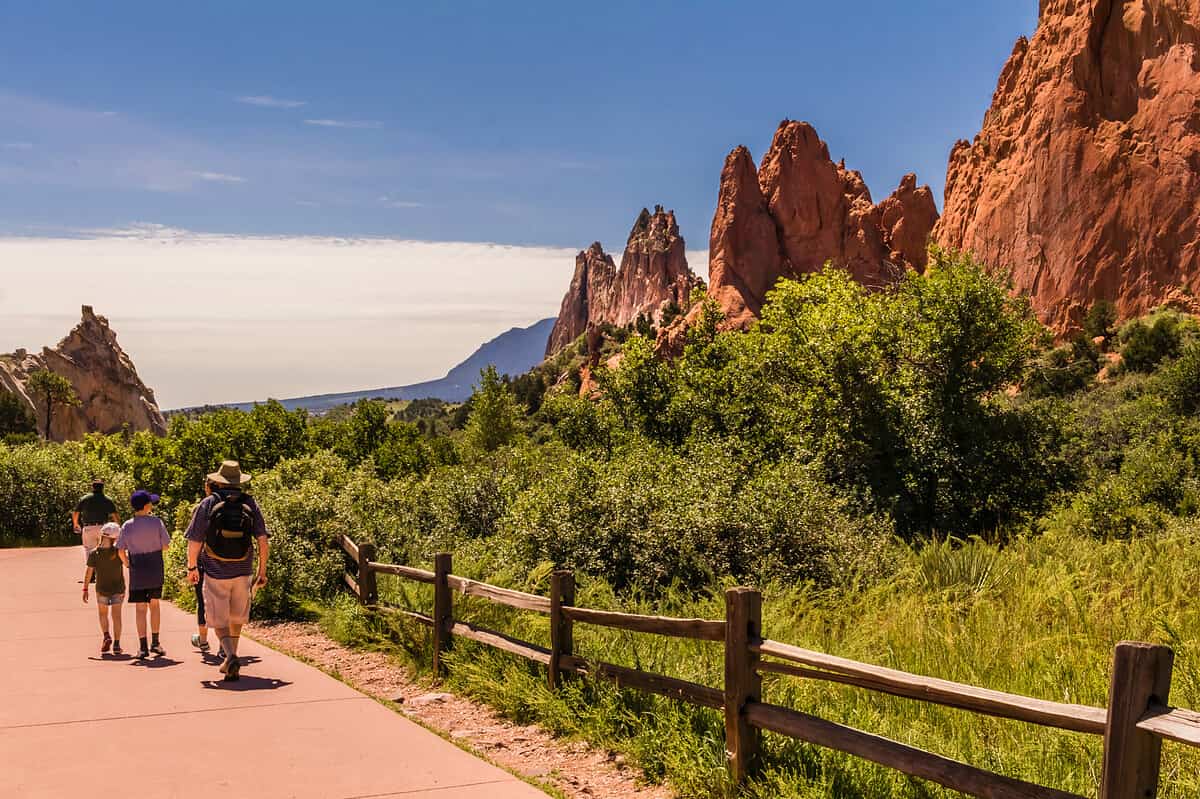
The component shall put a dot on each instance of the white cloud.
(219, 177)
(267, 101)
(308, 204)
(314, 314)
(357, 124)
(17, 145)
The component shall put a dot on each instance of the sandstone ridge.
(1084, 176)
(653, 276)
(111, 394)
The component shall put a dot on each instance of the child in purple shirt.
(142, 542)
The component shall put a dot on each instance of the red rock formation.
(653, 275)
(1084, 177)
(800, 210)
(111, 394)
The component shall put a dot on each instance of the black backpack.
(230, 526)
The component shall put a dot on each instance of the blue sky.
(527, 123)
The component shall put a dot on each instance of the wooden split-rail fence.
(1133, 726)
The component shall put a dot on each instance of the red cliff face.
(799, 210)
(653, 275)
(1085, 175)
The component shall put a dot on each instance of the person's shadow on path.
(162, 662)
(246, 683)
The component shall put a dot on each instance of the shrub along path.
(71, 720)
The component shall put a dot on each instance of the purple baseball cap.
(141, 498)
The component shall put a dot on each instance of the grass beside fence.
(1040, 618)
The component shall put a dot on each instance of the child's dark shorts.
(143, 595)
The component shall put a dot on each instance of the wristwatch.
(192, 568)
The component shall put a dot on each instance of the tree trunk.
(49, 416)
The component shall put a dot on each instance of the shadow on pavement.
(163, 662)
(246, 683)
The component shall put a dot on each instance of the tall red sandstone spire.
(799, 210)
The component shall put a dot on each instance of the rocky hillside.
(653, 275)
(1085, 175)
(110, 392)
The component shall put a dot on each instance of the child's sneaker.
(104, 647)
(117, 648)
(200, 643)
(157, 649)
(143, 654)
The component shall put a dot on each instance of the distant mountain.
(513, 353)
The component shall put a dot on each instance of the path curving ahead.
(73, 724)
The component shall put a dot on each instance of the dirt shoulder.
(576, 769)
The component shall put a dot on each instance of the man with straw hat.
(221, 540)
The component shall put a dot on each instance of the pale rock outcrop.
(112, 396)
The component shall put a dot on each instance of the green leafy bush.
(40, 486)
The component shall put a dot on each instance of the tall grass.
(1040, 617)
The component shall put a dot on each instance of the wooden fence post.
(562, 634)
(1141, 676)
(367, 586)
(443, 609)
(743, 624)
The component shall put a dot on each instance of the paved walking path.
(75, 724)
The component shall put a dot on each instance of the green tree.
(15, 417)
(493, 419)
(50, 389)
(1101, 320)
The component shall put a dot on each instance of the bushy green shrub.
(40, 486)
(1145, 343)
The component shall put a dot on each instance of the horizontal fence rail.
(1133, 725)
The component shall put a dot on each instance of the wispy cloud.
(219, 177)
(16, 145)
(357, 124)
(267, 101)
(308, 204)
(392, 202)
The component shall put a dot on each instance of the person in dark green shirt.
(104, 562)
(92, 511)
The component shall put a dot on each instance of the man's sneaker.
(157, 649)
(117, 648)
(104, 647)
(232, 668)
(143, 654)
(200, 643)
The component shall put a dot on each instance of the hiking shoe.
(117, 648)
(200, 643)
(158, 650)
(232, 669)
(104, 647)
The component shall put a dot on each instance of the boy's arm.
(75, 520)
(124, 553)
(87, 578)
